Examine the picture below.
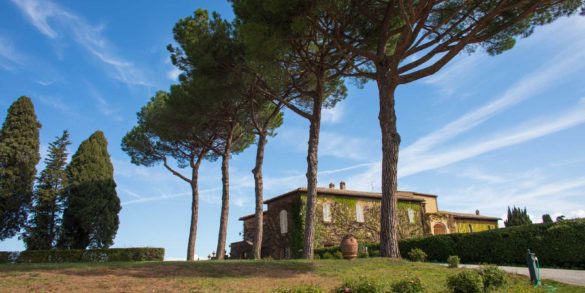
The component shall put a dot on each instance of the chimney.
(342, 185)
(477, 212)
(332, 185)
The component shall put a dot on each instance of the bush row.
(559, 244)
(80, 255)
(8, 256)
(364, 250)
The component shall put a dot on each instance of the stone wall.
(343, 220)
(279, 245)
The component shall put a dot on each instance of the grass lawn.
(230, 276)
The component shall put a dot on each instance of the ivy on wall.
(464, 227)
(343, 220)
(297, 227)
(406, 229)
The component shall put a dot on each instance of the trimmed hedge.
(8, 256)
(91, 255)
(364, 250)
(560, 244)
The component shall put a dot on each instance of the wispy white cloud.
(45, 82)
(56, 103)
(333, 115)
(173, 73)
(56, 22)
(547, 190)
(449, 79)
(132, 194)
(541, 194)
(39, 13)
(480, 175)
(413, 164)
(9, 57)
(542, 79)
(341, 145)
(331, 143)
(103, 105)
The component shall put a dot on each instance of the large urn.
(349, 247)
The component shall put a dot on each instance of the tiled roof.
(470, 216)
(404, 195)
(248, 216)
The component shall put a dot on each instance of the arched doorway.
(439, 229)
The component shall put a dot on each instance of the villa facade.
(340, 212)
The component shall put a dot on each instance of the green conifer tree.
(43, 227)
(546, 219)
(91, 211)
(19, 154)
(517, 217)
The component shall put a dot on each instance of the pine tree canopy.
(91, 211)
(44, 225)
(19, 154)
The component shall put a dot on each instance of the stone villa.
(340, 211)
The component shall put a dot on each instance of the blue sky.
(484, 133)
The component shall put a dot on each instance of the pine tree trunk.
(259, 188)
(312, 165)
(390, 146)
(51, 238)
(225, 197)
(194, 211)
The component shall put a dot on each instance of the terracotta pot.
(349, 247)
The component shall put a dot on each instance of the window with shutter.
(283, 222)
(411, 216)
(326, 212)
(359, 213)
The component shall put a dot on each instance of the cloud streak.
(560, 67)
(8, 55)
(103, 105)
(57, 104)
(414, 164)
(47, 16)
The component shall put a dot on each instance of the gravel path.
(574, 277)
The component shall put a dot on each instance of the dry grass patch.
(226, 276)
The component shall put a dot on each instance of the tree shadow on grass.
(206, 269)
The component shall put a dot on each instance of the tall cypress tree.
(517, 217)
(19, 154)
(91, 211)
(43, 227)
(546, 219)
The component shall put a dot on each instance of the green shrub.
(328, 255)
(468, 281)
(493, 277)
(362, 284)
(453, 261)
(412, 285)
(417, 254)
(365, 250)
(322, 251)
(300, 289)
(374, 253)
(556, 245)
(8, 256)
(91, 255)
